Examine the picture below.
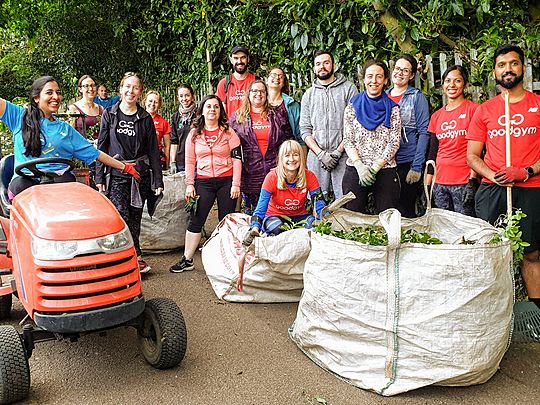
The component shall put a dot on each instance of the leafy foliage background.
(168, 41)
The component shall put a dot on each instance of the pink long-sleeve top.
(212, 159)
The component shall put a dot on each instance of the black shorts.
(490, 203)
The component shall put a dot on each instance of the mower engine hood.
(66, 211)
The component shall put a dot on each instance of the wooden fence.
(430, 84)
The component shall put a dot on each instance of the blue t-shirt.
(108, 102)
(58, 140)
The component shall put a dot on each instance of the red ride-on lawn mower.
(68, 257)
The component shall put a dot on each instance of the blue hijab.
(372, 112)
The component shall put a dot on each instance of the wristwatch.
(530, 171)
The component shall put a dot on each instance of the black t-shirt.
(125, 133)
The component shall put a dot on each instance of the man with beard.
(321, 122)
(231, 89)
(487, 128)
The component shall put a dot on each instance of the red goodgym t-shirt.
(450, 128)
(261, 129)
(235, 94)
(290, 202)
(162, 128)
(488, 126)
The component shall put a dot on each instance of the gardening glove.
(376, 166)
(172, 168)
(309, 221)
(129, 168)
(250, 236)
(469, 192)
(413, 177)
(365, 177)
(336, 154)
(328, 161)
(510, 175)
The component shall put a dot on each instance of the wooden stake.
(508, 151)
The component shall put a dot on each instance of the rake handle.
(508, 151)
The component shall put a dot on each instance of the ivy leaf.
(457, 7)
(304, 40)
(294, 30)
(415, 34)
(297, 43)
(365, 27)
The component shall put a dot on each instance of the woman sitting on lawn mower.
(128, 132)
(38, 134)
(371, 134)
(213, 171)
(284, 193)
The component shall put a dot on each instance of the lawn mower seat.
(7, 164)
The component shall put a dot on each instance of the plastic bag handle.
(391, 221)
(428, 189)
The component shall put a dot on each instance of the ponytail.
(31, 128)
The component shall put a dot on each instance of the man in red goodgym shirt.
(488, 128)
(231, 89)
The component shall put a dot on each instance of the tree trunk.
(391, 23)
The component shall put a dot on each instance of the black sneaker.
(183, 265)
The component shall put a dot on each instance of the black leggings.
(385, 190)
(208, 190)
(120, 195)
(21, 183)
(409, 192)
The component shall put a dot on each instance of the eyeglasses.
(276, 76)
(405, 71)
(257, 91)
(88, 86)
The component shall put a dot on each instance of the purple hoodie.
(256, 166)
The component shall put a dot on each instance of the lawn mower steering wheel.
(35, 172)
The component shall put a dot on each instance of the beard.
(511, 82)
(240, 69)
(325, 75)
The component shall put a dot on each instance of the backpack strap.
(227, 84)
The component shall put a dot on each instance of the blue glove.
(309, 221)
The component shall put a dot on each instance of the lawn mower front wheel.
(162, 333)
(14, 369)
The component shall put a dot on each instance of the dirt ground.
(237, 354)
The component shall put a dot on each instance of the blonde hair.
(244, 111)
(159, 100)
(291, 146)
(127, 75)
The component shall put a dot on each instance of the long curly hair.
(199, 122)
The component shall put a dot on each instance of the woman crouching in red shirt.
(284, 193)
(214, 150)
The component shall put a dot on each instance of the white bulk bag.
(166, 230)
(269, 271)
(394, 318)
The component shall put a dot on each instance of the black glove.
(470, 191)
(251, 234)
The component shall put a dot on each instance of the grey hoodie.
(321, 115)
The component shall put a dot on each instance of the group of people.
(253, 143)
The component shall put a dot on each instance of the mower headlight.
(43, 249)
